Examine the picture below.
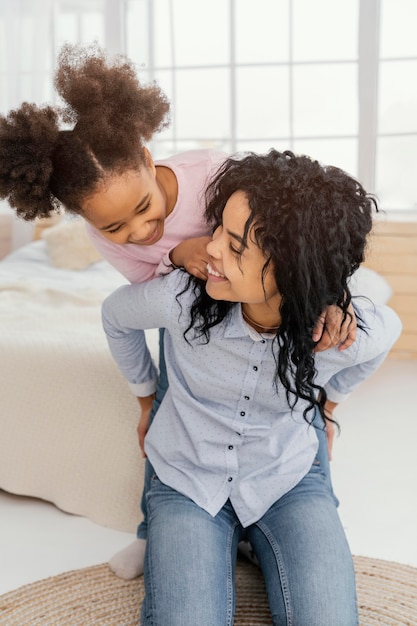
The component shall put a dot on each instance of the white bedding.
(37, 297)
(29, 267)
(67, 419)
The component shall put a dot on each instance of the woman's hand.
(331, 330)
(329, 407)
(191, 254)
(143, 426)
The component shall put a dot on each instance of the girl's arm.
(382, 327)
(371, 349)
(191, 254)
(127, 312)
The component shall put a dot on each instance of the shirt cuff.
(333, 395)
(165, 266)
(142, 390)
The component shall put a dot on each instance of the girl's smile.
(155, 236)
(132, 207)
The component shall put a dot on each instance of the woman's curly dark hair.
(54, 156)
(311, 222)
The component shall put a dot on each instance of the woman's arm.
(143, 426)
(329, 408)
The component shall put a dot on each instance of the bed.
(67, 420)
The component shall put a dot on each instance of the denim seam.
(281, 570)
(230, 581)
(152, 583)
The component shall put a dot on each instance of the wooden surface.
(6, 220)
(393, 253)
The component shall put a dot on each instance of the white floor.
(374, 472)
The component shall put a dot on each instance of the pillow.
(69, 246)
(367, 282)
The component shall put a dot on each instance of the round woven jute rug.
(387, 595)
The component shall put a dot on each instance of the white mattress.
(67, 418)
(30, 266)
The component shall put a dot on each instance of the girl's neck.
(168, 185)
(265, 321)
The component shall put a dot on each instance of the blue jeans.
(299, 542)
(142, 529)
(322, 454)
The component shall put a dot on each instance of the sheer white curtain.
(25, 61)
(31, 33)
(335, 79)
(331, 78)
(26, 49)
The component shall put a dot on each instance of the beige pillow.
(69, 246)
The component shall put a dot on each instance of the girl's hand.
(191, 254)
(143, 426)
(330, 331)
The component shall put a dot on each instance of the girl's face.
(129, 207)
(237, 276)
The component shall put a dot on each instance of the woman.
(232, 445)
(90, 157)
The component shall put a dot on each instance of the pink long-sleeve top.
(193, 170)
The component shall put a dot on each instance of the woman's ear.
(149, 160)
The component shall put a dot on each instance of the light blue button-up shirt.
(223, 431)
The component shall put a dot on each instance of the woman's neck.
(168, 185)
(261, 318)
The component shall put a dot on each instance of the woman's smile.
(238, 270)
(213, 274)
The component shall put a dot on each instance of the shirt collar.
(237, 327)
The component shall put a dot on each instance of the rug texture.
(387, 596)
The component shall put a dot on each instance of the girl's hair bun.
(28, 136)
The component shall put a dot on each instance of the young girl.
(232, 446)
(89, 157)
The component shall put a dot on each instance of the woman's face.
(128, 208)
(237, 276)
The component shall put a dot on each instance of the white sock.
(245, 548)
(128, 563)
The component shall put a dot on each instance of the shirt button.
(230, 447)
(229, 479)
(243, 413)
(247, 398)
(262, 340)
(255, 368)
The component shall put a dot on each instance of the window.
(396, 135)
(31, 33)
(330, 78)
